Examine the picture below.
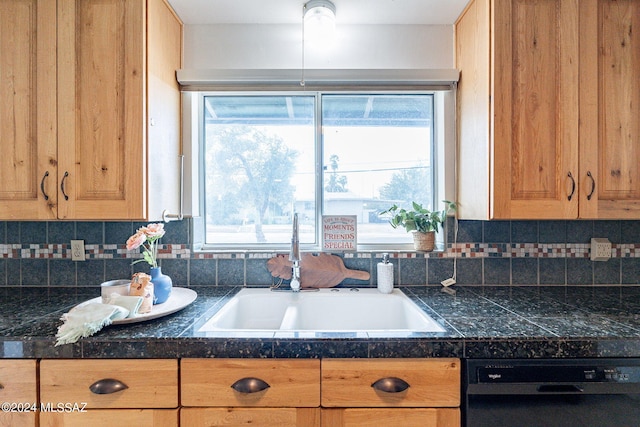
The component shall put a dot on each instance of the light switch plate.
(77, 250)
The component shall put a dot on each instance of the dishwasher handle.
(559, 388)
(548, 389)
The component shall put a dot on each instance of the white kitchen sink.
(326, 310)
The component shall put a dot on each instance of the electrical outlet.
(600, 249)
(77, 250)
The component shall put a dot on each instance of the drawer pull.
(107, 386)
(250, 385)
(1, 386)
(391, 385)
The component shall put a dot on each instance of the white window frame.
(193, 134)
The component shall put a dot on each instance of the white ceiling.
(408, 12)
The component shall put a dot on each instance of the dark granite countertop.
(496, 322)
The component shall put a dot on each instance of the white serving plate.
(179, 299)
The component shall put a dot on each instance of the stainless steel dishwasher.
(548, 393)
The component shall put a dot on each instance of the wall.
(487, 253)
(280, 46)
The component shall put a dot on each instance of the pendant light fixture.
(318, 26)
(319, 21)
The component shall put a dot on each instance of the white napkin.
(130, 302)
(86, 320)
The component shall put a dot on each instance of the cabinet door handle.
(44, 194)
(390, 385)
(66, 174)
(593, 185)
(107, 386)
(1, 386)
(250, 385)
(573, 186)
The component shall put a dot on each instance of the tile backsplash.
(485, 252)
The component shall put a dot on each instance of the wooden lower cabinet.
(150, 383)
(18, 384)
(145, 395)
(250, 392)
(426, 383)
(407, 417)
(375, 392)
(110, 418)
(287, 383)
(314, 393)
(264, 417)
(18, 419)
(237, 392)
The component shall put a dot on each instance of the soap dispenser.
(385, 275)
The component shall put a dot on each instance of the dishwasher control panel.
(496, 373)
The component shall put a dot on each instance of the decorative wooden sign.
(339, 233)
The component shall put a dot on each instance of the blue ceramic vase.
(162, 285)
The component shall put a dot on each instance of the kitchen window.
(266, 155)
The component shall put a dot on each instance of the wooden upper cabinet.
(100, 109)
(518, 116)
(535, 46)
(90, 111)
(549, 107)
(105, 153)
(610, 109)
(28, 172)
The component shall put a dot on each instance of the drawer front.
(263, 417)
(150, 383)
(291, 383)
(18, 381)
(111, 418)
(401, 383)
(406, 417)
(17, 419)
(18, 385)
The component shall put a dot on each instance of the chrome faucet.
(294, 256)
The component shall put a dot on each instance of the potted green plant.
(421, 221)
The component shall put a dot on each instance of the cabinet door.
(406, 417)
(110, 418)
(101, 71)
(28, 179)
(610, 109)
(18, 385)
(535, 117)
(264, 417)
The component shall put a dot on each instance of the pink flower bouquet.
(147, 237)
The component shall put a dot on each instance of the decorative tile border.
(459, 250)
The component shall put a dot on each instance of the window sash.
(319, 193)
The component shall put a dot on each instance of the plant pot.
(424, 241)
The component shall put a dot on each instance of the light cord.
(302, 83)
